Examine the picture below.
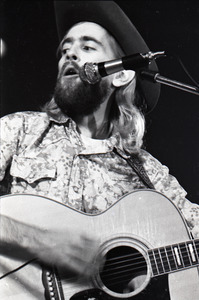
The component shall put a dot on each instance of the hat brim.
(111, 17)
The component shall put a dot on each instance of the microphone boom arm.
(156, 77)
(131, 62)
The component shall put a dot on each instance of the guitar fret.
(167, 255)
(191, 255)
(161, 260)
(158, 261)
(165, 260)
(153, 263)
(184, 254)
(171, 258)
(196, 248)
(174, 257)
(178, 256)
(179, 251)
(192, 251)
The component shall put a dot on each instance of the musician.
(77, 149)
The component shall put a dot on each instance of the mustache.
(69, 65)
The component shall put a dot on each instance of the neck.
(97, 124)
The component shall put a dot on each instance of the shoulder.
(151, 164)
(159, 175)
(25, 119)
(25, 115)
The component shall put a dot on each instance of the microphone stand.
(156, 77)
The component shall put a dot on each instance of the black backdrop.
(29, 69)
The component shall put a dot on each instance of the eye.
(64, 51)
(64, 48)
(88, 48)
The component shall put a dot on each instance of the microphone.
(93, 72)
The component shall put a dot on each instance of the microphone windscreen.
(88, 74)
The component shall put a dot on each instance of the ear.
(123, 77)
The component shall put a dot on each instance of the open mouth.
(70, 72)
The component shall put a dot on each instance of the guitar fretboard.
(175, 257)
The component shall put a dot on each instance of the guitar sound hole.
(124, 271)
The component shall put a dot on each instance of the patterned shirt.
(49, 157)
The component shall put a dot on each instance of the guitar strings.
(121, 267)
(111, 264)
(119, 280)
(125, 277)
(132, 260)
(133, 270)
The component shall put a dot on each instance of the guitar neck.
(175, 257)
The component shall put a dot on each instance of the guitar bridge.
(51, 283)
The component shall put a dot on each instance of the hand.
(70, 251)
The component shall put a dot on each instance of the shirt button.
(75, 188)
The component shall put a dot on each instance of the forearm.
(66, 249)
(17, 239)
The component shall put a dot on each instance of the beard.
(77, 98)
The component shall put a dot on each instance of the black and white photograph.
(99, 140)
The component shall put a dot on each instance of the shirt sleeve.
(10, 127)
(170, 187)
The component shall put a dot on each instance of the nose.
(71, 54)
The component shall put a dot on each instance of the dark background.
(29, 70)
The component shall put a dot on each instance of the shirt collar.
(111, 144)
(61, 119)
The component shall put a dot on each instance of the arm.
(191, 214)
(10, 128)
(67, 250)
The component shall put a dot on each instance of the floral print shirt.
(49, 157)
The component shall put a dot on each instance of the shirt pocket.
(32, 169)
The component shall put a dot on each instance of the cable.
(187, 72)
(19, 268)
(183, 67)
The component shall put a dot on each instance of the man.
(78, 151)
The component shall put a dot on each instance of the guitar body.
(139, 221)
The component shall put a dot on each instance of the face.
(84, 42)
(87, 42)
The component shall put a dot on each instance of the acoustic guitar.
(143, 237)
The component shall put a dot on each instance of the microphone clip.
(153, 55)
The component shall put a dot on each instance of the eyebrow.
(83, 38)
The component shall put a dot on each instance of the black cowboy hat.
(110, 16)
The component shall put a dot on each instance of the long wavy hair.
(128, 119)
(126, 114)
